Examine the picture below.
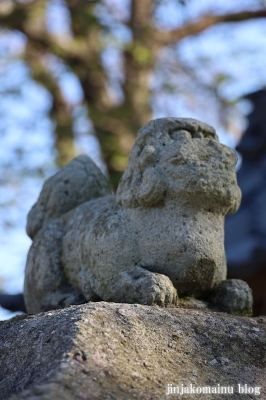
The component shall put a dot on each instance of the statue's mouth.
(204, 173)
(177, 160)
(218, 159)
(201, 165)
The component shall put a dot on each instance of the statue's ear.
(152, 188)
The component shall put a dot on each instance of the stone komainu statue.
(160, 237)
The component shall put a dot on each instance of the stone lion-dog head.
(180, 158)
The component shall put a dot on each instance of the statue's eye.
(180, 134)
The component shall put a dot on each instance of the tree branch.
(20, 16)
(164, 38)
(81, 53)
(60, 111)
(140, 14)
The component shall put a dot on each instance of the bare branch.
(163, 38)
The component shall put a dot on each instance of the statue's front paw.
(149, 288)
(233, 296)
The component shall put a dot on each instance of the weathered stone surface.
(160, 237)
(121, 351)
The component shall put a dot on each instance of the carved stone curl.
(161, 235)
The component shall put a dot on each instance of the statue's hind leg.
(233, 296)
(46, 287)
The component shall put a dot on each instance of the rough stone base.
(122, 351)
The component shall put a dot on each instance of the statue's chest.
(182, 239)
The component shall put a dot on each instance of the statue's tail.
(79, 181)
